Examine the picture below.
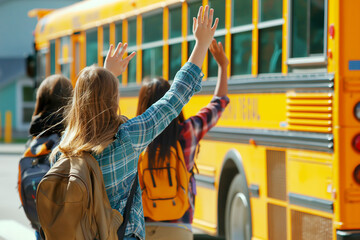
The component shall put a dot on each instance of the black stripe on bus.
(205, 181)
(267, 83)
(286, 139)
(311, 202)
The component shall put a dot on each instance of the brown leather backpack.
(72, 204)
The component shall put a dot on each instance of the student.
(93, 123)
(46, 128)
(188, 133)
(51, 98)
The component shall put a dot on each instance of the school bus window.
(132, 32)
(193, 9)
(270, 50)
(212, 65)
(132, 70)
(191, 45)
(175, 22)
(308, 21)
(270, 10)
(91, 47)
(65, 56)
(241, 53)
(241, 12)
(174, 59)
(41, 65)
(152, 57)
(175, 40)
(152, 28)
(118, 38)
(152, 62)
(106, 41)
(52, 57)
(106, 38)
(219, 6)
(118, 32)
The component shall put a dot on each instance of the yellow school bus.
(284, 160)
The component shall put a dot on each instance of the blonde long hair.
(92, 117)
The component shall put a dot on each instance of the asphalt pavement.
(13, 222)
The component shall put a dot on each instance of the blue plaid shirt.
(118, 161)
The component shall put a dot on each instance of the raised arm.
(218, 53)
(147, 126)
(208, 116)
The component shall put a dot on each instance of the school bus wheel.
(237, 211)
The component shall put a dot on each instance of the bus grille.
(277, 222)
(276, 174)
(307, 226)
(309, 112)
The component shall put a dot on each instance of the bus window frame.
(315, 60)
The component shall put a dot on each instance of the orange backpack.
(165, 189)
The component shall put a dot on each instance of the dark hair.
(53, 94)
(51, 101)
(151, 91)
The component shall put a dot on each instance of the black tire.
(237, 211)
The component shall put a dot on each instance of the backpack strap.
(129, 202)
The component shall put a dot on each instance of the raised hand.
(217, 50)
(114, 61)
(203, 33)
(202, 29)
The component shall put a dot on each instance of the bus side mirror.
(31, 66)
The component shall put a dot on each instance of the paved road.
(13, 222)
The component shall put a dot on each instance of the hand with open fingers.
(114, 61)
(202, 26)
(217, 50)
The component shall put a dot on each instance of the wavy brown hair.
(150, 92)
(92, 117)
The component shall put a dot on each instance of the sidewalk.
(12, 148)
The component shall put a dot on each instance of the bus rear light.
(357, 174)
(356, 142)
(357, 111)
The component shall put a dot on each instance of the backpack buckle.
(35, 162)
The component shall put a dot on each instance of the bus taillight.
(356, 142)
